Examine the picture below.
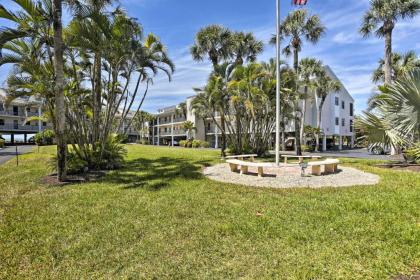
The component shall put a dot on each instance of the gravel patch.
(290, 177)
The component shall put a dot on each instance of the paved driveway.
(9, 152)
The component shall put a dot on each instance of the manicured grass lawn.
(159, 218)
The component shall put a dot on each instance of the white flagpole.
(277, 82)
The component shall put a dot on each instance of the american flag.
(300, 2)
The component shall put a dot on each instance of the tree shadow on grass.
(156, 174)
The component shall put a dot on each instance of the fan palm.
(400, 65)
(245, 47)
(381, 19)
(189, 127)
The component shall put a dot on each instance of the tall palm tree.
(401, 64)
(34, 20)
(213, 42)
(297, 26)
(245, 47)
(381, 19)
(182, 109)
(308, 68)
(324, 85)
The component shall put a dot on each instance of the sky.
(351, 57)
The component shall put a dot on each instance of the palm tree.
(395, 120)
(182, 109)
(308, 68)
(213, 42)
(297, 26)
(324, 85)
(381, 19)
(189, 128)
(245, 47)
(34, 20)
(401, 64)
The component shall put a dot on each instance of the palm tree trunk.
(318, 124)
(388, 57)
(223, 125)
(297, 126)
(97, 99)
(59, 91)
(302, 123)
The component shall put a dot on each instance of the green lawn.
(159, 218)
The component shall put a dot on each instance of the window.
(1, 122)
(337, 121)
(208, 127)
(343, 122)
(337, 101)
(44, 123)
(343, 105)
(28, 109)
(1, 107)
(351, 125)
(351, 110)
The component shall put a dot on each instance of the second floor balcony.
(18, 113)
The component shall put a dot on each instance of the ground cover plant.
(158, 217)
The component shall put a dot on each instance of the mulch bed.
(73, 179)
(401, 166)
(415, 276)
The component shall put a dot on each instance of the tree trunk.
(59, 91)
(97, 102)
(302, 123)
(318, 124)
(223, 125)
(297, 126)
(388, 57)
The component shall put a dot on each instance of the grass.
(159, 218)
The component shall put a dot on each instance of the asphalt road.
(8, 153)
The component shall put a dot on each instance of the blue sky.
(350, 56)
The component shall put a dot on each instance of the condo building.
(336, 122)
(15, 116)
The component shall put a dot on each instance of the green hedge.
(2, 143)
(194, 144)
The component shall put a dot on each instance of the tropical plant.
(381, 19)
(182, 109)
(323, 85)
(395, 120)
(189, 127)
(297, 26)
(308, 68)
(45, 137)
(245, 47)
(401, 64)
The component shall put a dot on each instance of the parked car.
(379, 149)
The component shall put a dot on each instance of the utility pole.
(277, 82)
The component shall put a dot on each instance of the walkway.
(9, 152)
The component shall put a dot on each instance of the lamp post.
(277, 82)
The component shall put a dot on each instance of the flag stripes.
(300, 2)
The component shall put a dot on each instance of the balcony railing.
(20, 127)
(18, 114)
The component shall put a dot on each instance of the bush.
(195, 143)
(204, 144)
(413, 153)
(45, 137)
(306, 148)
(2, 143)
(188, 144)
(182, 143)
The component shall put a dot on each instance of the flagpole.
(277, 82)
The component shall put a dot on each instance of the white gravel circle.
(290, 177)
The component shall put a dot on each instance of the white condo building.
(337, 122)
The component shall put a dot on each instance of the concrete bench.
(330, 166)
(301, 158)
(242, 157)
(244, 165)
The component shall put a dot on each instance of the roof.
(24, 100)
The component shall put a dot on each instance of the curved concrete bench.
(330, 166)
(244, 165)
(242, 157)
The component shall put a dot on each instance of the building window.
(337, 101)
(351, 110)
(1, 122)
(343, 122)
(1, 107)
(44, 123)
(343, 105)
(337, 121)
(208, 127)
(351, 125)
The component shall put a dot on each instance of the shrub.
(183, 143)
(306, 148)
(196, 143)
(188, 144)
(2, 143)
(45, 137)
(413, 153)
(204, 144)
